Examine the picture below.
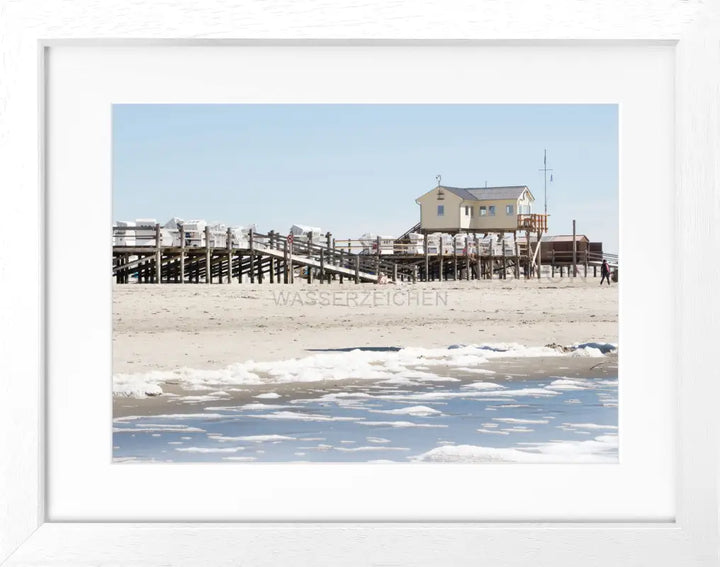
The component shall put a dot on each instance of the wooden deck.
(276, 258)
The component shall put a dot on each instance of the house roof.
(564, 238)
(487, 193)
(554, 238)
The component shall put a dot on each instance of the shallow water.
(462, 417)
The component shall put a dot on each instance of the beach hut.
(217, 232)
(460, 242)
(476, 209)
(413, 244)
(125, 235)
(304, 233)
(195, 233)
(369, 243)
(448, 246)
(170, 232)
(145, 232)
(240, 235)
(562, 247)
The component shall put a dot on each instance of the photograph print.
(367, 283)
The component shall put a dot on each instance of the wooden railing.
(532, 222)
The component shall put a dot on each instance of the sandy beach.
(163, 327)
(369, 373)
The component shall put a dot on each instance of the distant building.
(477, 209)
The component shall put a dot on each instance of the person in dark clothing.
(605, 272)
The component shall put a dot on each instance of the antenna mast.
(545, 171)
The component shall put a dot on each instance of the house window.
(491, 210)
(468, 211)
(483, 210)
(441, 210)
(508, 209)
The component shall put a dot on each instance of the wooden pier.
(283, 259)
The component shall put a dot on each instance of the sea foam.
(394, 365)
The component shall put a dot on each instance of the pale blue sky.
(352, 169)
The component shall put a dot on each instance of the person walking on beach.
(605, 272)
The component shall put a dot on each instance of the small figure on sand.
(605, 272)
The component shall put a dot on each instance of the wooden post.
(328, 240)
(290, 267)
(251, 265)
(414, 273)
(322, 265)
(158, 255)
(441, 264)
(357, 268)
(574, 244)
(539, 254)
(594, 271)
(517, 256)
(586, 262)
(342, 261)
(394, 275)
(504, 257)
(286, 277)
(427, 258)
(455, 273)
(182, 253)
(271, 245)
(377, 257)
(467, 257)
(229, 254)
(492, 256)
(552, 264)
(208, 257)
(529, 255)
(478, 258)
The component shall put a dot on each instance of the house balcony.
(532, 223)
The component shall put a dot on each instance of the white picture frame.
(25, 536)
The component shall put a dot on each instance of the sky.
(353, 169)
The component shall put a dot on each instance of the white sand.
(210, 326)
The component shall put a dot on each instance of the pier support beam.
(539, 254)
(492, 257)
(377, 257)
(208, 257)
(286, 276)
(504, 257)
(251, 265)
(441, 264)
(427, 258)
(182, 253)
(229, 255)
(467, 257)
(528, 267)
(455, 266)
(574, 249)
(158, 255)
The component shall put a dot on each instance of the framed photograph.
(298, 297)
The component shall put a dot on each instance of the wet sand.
(172, 400)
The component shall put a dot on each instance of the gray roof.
(487, 193)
